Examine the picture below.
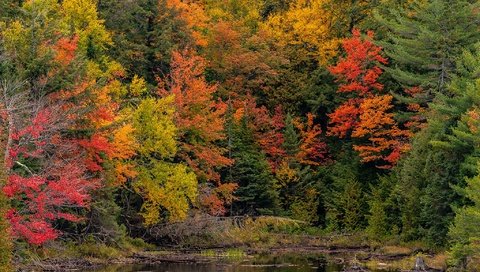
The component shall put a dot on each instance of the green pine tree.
(425, 42)
(144, 33)
(442, 154)
(464, 232)
(461, 105)
(291, 139)
(256, 193)
(423, 186)
(383, 214)
(346, 202)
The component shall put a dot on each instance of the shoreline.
(339, 255)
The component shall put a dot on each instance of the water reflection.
(281, 262)
(172, 267)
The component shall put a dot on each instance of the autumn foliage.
(367, 114)
(118, 117)
(54, 187)
(199, 117)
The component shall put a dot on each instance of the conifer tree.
(345, 201)
(256, 193)
(425, 42)
(464, 232)
(291, 143)
(442, 154)
(382, 218)
(145, 32)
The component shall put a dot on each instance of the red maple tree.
(367, 114)
(45, 176)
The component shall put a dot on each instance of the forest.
(125, 122)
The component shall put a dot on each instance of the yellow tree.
(307, 29)
(167, 188)
(144, 146)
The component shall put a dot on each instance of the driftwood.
(421, 266)
(355, 266)
(206, 226)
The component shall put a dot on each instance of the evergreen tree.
(382, 217)
(461, 105)
(464, 232)
(291, 140)
(423, 187)
(274, 6)
(145, 32)
(345, 203)
(9, 9)
(442, 154)
(425, 42)
(256, 193)
(104, 217)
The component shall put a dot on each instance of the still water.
(224, 268)
(296, 262)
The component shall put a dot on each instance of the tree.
(194, 15)
(351, 14)
(268, 131)
(306, 28)
(200, 121)
(5, 242)
(464, 233)
(56, 65)
(423, 53)
(383, 218)
(345, 204)
(443, 153)
(145, 33)
(272, 7)
(461, 106)
(241, 61)
(42, 189)
(291, 144)
(366, 115)
(256, 193)
(163, 185)
(312, 150)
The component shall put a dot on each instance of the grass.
(437, 261)
(89, 249)
(229, 254)
(396, 250)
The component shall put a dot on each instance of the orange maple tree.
(200, 121)
(367, 114)
(312, 150)
(193, 14)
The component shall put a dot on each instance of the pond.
(295, 262)
(172, 267)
